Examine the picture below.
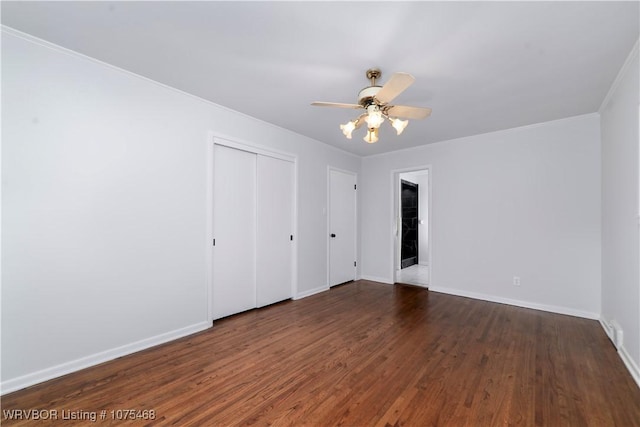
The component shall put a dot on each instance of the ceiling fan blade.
(335, 104)
(394, 87)
(407, 112)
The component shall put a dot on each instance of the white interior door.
(342, 227)
(274, 230)
(234, 226)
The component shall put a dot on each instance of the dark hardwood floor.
(362, 354)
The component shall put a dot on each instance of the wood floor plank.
(362, 354)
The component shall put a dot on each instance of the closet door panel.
(234, 226)
(342, 227)
(274, 261)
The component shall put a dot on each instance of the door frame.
(218, 139)
(395, 209)
(355, 219)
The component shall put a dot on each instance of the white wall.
(620, 241)
(523, 202)
(104, 197)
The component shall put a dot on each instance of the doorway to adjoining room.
(412, 228)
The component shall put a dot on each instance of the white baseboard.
(517, 303)
(24, 381)
(607, 329)
(378, 279)
(310, 292)
(631, 365)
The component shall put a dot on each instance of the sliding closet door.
(274, 230)
(234, 226)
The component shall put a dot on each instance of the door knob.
(333, 235)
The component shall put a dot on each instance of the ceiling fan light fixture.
(348, 128)
(371, 136)
(399, 125)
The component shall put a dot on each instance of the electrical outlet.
(516, 280)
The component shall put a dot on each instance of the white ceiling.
(481, 66)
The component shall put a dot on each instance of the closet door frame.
(216, 139)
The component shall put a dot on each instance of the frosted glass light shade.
(371, 136)
(348, 128)
(399, 125)
(374, 119)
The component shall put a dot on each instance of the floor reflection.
(414, 275)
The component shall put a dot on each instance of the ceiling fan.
(376, 101)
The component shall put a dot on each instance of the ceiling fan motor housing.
(366, 95)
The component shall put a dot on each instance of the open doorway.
(412, 205)
(409, 198)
